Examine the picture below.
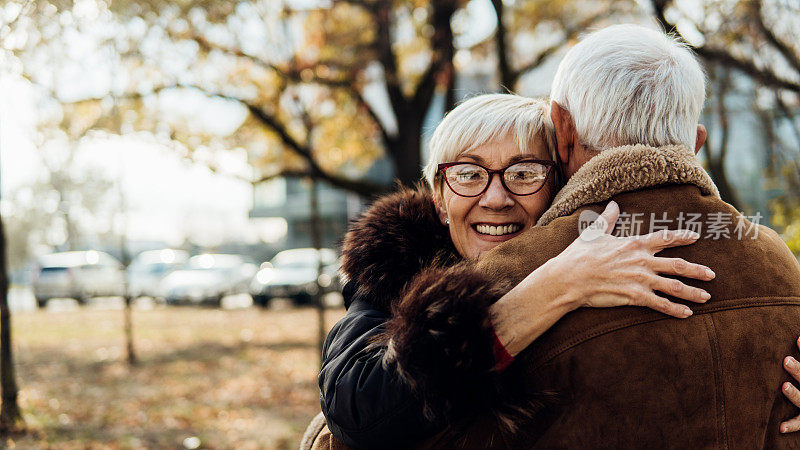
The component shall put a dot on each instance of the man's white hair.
(486, 118)
(627, 84)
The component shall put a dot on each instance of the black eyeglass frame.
(442, 169)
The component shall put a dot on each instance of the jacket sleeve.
(365, 401)
(443, 343)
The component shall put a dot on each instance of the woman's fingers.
(793, 367)
(660, 240)
(608, 218)
(791, 392)
(665, 306)
(791, 425)
(603, 225)
(678, 289)
(682, 268)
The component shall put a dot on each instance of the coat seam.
(719, 410)
(626, 322)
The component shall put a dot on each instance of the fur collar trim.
(393, 240)
(628, 168)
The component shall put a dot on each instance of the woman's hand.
(790, 391)
(608, 271)
(598, 270)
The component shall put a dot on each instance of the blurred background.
(168, 170)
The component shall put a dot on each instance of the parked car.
(207, 278)
(293, 274)
(80, 275)
(148, 268)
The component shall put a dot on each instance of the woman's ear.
(440, 211)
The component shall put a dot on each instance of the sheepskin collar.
(628, 168)
(393, 240)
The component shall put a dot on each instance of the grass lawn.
(207, 378)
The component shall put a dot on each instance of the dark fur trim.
(441, 339)
(399, 235)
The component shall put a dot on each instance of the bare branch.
(789, 54)
(372, 114)
(294, 74)
(570, 34)
(723, 87)
(540, 58)
(287, 173)
(359, 187)
(789, 116)
(723, 57)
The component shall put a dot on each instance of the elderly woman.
(491, 174)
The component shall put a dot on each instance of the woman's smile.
(497, 231)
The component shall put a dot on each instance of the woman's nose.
(496, 196)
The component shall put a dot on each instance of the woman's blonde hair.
(486, 118)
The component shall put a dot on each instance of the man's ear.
(702, 134)
(565, 131)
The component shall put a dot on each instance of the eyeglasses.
(521, 178)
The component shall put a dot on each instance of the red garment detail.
(501, 355)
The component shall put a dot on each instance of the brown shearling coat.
(630, 377)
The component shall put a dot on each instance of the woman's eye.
(467, 176)
(524, 175)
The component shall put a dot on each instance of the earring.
(447, 221)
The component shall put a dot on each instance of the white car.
(294, 274)
(80, 275)
(148, 268)
(207, 279)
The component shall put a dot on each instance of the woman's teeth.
(497, 230)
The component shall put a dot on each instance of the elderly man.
(625, 104)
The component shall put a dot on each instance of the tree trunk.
(10, 415)
(407, 152)
(726, 192)
(507, 78)
(132, 361)
(316, 242)
(716, 164)
(126, 261)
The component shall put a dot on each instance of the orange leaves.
(199, 379)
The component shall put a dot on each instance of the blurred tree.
(755, 38)
(716, 146)
(530, 32)
(318, 90)
(10, 413)
(782, 175)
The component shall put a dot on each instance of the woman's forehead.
(506, 150)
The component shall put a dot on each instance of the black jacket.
(415, 351)
(366, 404)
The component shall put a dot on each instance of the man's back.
(631, 377)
